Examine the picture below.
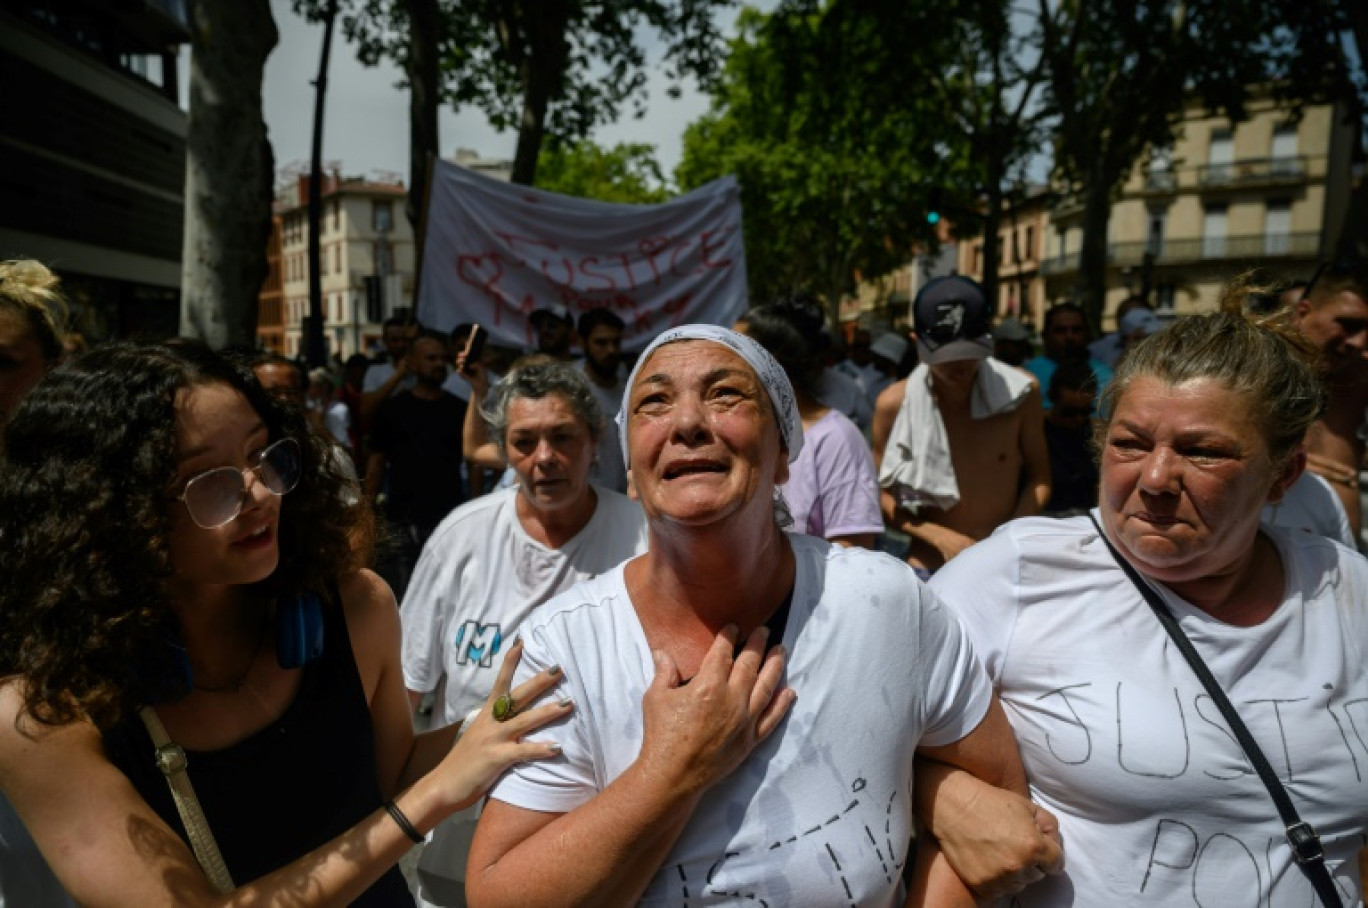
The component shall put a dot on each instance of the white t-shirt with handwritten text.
(820, 814)
(1157, 803)
(480, 575)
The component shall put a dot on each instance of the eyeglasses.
(214, 498)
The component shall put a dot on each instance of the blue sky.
(366, 121)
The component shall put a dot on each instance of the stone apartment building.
(1022, 239)
(368, 259)
(1270, 191)
(366, 264)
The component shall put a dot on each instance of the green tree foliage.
(546, 68)
(836, 153)
(624, 173)
(415, 35)
(987, 103)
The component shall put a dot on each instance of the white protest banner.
(495, 252)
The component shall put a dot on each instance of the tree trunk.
(542, 71)
(424, 20)
(531, 129)
(228, 171)
(1091, 289)
(992, 222)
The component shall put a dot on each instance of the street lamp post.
(316, 350)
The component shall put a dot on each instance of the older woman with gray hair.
(752, 701)
(494, 559)
(1187, 682)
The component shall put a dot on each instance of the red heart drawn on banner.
(482, 271)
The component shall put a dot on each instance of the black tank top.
(293, 786)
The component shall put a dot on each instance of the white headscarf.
(767, 369)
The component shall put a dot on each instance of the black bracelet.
(404, 823)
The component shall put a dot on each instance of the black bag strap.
(1306, 845)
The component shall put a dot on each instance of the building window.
(1154, 239)
(384, 259)
(1030, 251)
(382, 216)
(337, 258)
(337, 214)
(1278, 227)
(1221, 156)
(1164, 298)
(1214, 222)
(1285, 162)
(1159, 174)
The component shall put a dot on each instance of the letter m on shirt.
(476, 642)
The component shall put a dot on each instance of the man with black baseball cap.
(959, 443)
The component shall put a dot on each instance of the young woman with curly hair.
(153, 558)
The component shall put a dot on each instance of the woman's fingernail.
(554, 670)
(565, 701)
(553, 747)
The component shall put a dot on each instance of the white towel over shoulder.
(916, 461)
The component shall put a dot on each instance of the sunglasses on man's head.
(1336, 268)
(215, 497)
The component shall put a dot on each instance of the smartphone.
(475, 345)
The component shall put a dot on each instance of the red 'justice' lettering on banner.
(595, 281)
(492, 256)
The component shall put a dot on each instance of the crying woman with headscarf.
(749, 703)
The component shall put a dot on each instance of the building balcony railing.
(1175, 251)
(1161, 180)
(1288, 169)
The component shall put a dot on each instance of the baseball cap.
(951, 319)
(890, 346)
(1140, 320)
(1011, 329)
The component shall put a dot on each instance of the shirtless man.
(1333, 314)
(1000, 463)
